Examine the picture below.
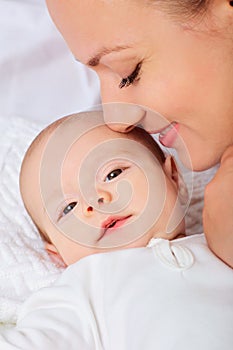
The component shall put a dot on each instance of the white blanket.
(24, 264)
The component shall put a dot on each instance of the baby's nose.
(104, 198)
(101, 200)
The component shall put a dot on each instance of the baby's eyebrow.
(54, 197)
(94, 60)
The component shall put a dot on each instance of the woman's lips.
(168, 136)
(111, 224)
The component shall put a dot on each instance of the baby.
(119, 194)
(108, 205)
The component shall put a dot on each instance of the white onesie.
(172, 295)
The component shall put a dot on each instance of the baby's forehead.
(85, 131)
(84, 128)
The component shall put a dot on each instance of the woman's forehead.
(93, 26)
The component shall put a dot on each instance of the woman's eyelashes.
(134, 76)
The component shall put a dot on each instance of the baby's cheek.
(139, 197)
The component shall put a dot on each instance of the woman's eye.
(69, 207)
(113, 174)
(131, 78)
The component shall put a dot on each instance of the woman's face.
(144, 57)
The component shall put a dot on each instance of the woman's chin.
(198, 156)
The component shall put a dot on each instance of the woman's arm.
(218, 210)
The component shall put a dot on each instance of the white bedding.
(39, 81)
(24, 264)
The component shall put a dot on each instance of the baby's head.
(89, 189)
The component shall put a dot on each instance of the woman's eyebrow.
(94, 61)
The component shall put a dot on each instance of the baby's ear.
(54, 254)
(172, 171)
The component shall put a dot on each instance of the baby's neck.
(180, 235)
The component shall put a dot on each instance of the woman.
(174, 57)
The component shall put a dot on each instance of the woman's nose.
(119, 116)
(122, 117)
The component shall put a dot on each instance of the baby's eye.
(69, 207)
(114, 173)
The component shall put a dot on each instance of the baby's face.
(102, 191)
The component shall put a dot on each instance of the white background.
(39, 77)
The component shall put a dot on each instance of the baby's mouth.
(111, 224)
